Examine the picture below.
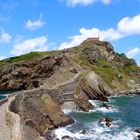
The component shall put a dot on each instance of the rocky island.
(48, 82)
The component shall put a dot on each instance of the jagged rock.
(28, 74)
(107, 120)
(38, 110)
(105, 105)
(91, 86)
(81, 100)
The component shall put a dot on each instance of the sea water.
(125, 112)
(3, 93)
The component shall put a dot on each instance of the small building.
(93, 39)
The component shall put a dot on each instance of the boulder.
(107, 120)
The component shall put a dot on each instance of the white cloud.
(4, 36)
(109, 34)
(84, 2)
(125, 27)
(36, 24)
(35, 44)
(129, 25)
(132, 53)
(2, 57)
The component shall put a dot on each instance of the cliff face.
(28, 74)
(51, 69)
(91, 70)
(54, 68)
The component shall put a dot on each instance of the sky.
(43, 25)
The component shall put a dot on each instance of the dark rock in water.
(137, 130)
(107, 121)
(83, 132)
(67, 138)
(108, 124)
(139, 136)
(105, 105)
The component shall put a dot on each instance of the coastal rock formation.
(91, 86)
(90, 71)
(53, 68)
(38, 110)
(28, 74)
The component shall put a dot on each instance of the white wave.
(67, 111)
(105, 110)
(97, 132)
(93, 103)
(60, 132)
(97, 105)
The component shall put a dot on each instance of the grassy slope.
(28, 56)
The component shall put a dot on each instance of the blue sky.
(41, 25)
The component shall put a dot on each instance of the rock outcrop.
(38, 110)
(28, 74)
(91, 86)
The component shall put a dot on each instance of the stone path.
(5, 133)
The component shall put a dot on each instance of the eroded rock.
(91, 86)
(39, 111)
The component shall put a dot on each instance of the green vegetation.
(28, 56)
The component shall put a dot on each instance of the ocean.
(3, 93)
(125, 112)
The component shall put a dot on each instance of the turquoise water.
(2, 97)
(7, 91)
(4, 92)
(125, 111)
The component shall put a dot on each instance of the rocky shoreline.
(15, 123)
(67, 78)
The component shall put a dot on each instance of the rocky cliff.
(92, 70)
(51, 69)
